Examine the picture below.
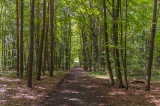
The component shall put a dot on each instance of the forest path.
(76, 90)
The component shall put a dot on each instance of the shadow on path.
(76, 90)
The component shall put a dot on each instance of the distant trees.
(100, 34)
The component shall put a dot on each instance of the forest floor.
(76, 89)
(79, 89)
(14, 92)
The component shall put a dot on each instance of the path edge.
(58, 85)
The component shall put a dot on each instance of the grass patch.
(154, 77)
(59, 73)
(8, 74)
(97, 74)
(136, 77)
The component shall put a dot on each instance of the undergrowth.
(104, 74)
(98, 74)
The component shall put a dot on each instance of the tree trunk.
(21, 42)
(115, 34)
(46, 43)
(107, 47)
(37, 33)
(29, 84)
(150, 60)
(100, 49)
(84, 50)
(52, 36)
(41, 43)
(17, 19)
(125, 52)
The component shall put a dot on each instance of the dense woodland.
(116, 36)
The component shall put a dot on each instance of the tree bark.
(107, 47)
(41, 43)
(37, 34)
(116, 50)
(100, 49)
(150, 60)
(52, 35)
(21, 42)
(84, 50)
(17, 22)
(125, 46)
(29, 84)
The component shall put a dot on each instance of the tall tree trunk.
(121, 41)
(52, 36)
(60, 57)
(17, 19)
(46, 42)
(84, 50)
(21, 42)
(107, 47)
(70, 42)
(100, 48)
(90, 58)
(41, 43)
(29, 84)
(94, 51)
(66, 51)
(125, 52)
(150, 60)
(37, 34)
(115, 34)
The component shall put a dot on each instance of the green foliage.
(8, 74)
(59, 72)
(97, 74)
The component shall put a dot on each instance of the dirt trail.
(76, 90)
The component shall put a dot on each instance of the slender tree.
(150, 60)
(125, 46)
(31, 45)
(37, 34)
(52, 35)
(21, 42)
(46, 42)
(107, 46)
(17, 19)
(115, 37)
(41, 42)
(84, 38)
